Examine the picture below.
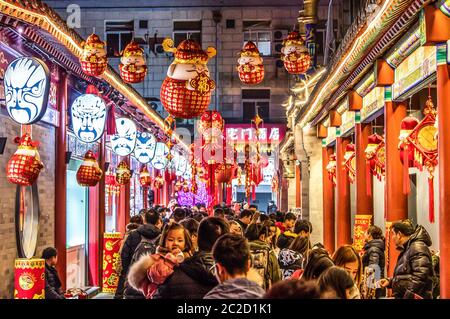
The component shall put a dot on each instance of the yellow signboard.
(372, 102)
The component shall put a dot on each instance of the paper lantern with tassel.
(331, 168)
(225, 172)
(186, 94)
(294, 54)
(24, 166)
(133, 68)
(350, 162)
(89, 173)
(250, 68)
(29, 278)
(123, 173)
(406, 152)
(145, 178)
(93, 60)
(375, 159)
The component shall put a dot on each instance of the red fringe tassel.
(431, 199)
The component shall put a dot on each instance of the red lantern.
(123, 173)
(186, 94)
(24, 166)
(133, 68)
(225, 173)
(250, 68)
(331, 168)
(89, 173)
(375, 159)
(350, 162)
(144, 177)
(111, 185)
(294, 54)
(93, 60)
(158, 182)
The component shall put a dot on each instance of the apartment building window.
(118, 35)
(187, 29)
(255, 101)
(260, 33)
(321, 35)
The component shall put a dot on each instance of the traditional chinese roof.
(367, 39)
(51, 31)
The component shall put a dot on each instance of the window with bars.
(254, 101)
(260, 33)
(118, 35)
(183, 30)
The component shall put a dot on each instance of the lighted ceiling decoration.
(27, 85)
(160, 160)
(88, 117)
(145, 147)
(124, 142)
(41, 15)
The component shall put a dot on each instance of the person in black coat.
(150, 231)
(194, 277)
(53, 286)
(374, 254)
(413, 272)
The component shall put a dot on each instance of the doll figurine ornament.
(186, 91)
(133, 68)
(93, 60)
(89, 173)
(250, 68)
(295, 55)
(123, 173)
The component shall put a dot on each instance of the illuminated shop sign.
(414, 69)
(88, 117)
(160, 160)
(372, 102)
(26, 84)
(244, 133)
(145, 147)
(124, 142)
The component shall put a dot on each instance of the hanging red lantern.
(111, 185)
(133, 68)
(158, 182)
(225, 173)
(294, 54)
(24, 166)
(145, 178)
(186, 91)
(406, 127)
(331, 168)
(350, 161)
(123, 173)
(89, 173)
(375, 159)
(178, 185)
(250, 68)
(93, 60)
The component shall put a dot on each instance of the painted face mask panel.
(27, 83)
(160, 159)
(124, 142)
(88, 117)
(145, 147)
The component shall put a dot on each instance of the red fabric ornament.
(225, 173)
(349, 160)
(331, 168)
(93, 60)
(158, 182)
(250, 68)
(406, 127)
(89, 173)
(145, 178)
(133, 68)
(24, 166)
(295, 55)
(123, 173)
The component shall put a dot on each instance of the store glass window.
(183, 30)
(259, 32)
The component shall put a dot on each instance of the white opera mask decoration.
(145, 147)
(88, 117)
(27, 85)
(160, 160)
(124, 142)
(180, 164)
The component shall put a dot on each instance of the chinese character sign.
(362, 223)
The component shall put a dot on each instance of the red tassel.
(111, 121)
(253, 192)
(368, 179)
(145, 195)
(229, 194)
(431, 198)
(406, 186)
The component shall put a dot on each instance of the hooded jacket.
(285, 239)
(413, 272)
(239, 288)
(192, 279)
(374, 254)
(273, 273)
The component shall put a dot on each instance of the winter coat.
(285, 239)
(192, 279)
(290, 261)
(413, 272)
(239, 288)
(53, 285)
(272, 272)
(374, 254)
(147, 231)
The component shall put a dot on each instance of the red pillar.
(396, 201)
(60, 181)
(443, 102)
(101, 207)
(328, 203)
(343, 212)
(364, 201)
(127, 199)
(298, 186)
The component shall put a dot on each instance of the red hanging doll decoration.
(331, 168)
(123, 173)
(375, 159)
(93, 60)
(89, 173)
(133, 68)
(350, 162)
(250, 68)
(295, 55)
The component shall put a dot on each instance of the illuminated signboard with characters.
(88, 117)
(160, 160)
(145, 147)
(27, 85)
(124, 142)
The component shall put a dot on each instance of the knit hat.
(249, 50)
(93, 42)
(133, 49)
(188, 51)
(294, 38)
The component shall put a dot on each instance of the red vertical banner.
(111, 247)
(362, 223)
(29, 278)
(93, 244)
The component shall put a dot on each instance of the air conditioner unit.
(277, 40)
(159, 48)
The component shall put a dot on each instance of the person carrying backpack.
(264, 260)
